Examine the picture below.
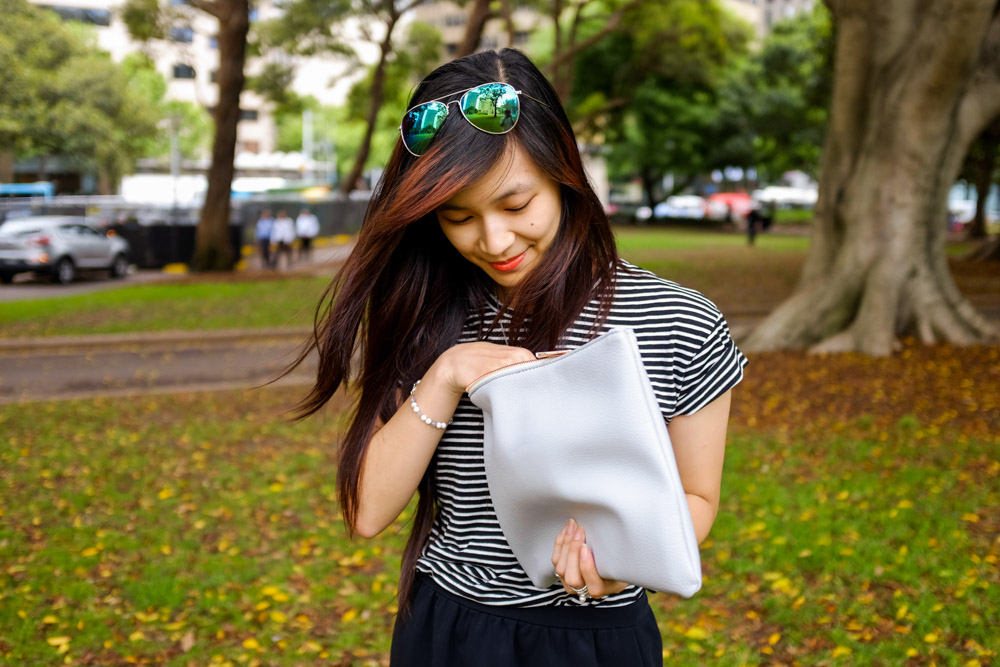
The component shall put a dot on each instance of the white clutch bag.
(581, 436)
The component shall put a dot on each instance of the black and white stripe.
(691, 360)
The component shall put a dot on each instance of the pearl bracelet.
(424, 418)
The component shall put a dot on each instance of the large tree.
(648, 89)
(148, 19)
(61, 96)
(320, 30)
(914, 84)
(774, 105)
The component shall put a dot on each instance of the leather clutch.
(581, 436)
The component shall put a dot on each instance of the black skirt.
(445, 630)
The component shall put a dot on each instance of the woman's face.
(504, 222)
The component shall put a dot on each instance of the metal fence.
(160, 235)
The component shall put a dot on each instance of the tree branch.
(208, 6)
(612, 24)
(981, 105)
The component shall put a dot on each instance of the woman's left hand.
(575, 565)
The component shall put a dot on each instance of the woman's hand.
(575, 565)
(464, 363)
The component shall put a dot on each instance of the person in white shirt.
(282, 235)
(307, 228)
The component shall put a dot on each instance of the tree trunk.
(213, 250)
(984, 179)
(914, 84)
(377, 94)
(6, 167)
(478, 17)
(508, 20)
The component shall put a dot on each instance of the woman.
(483, 244)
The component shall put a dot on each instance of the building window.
(99, 17)
(182, 71)
(453, 20)
(254, 15)
(489, 43)
(178, 3)
(248, 114)
(213, 42)
(184, 34)
(213, 76)
(521, 37)
(451, 48)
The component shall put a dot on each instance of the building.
(451, 20)
(188, 60)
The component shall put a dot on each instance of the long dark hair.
(404, 293)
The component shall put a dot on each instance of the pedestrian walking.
(306, 228)
(282, 236)
(754, 222)
(483, 244)
(262, 234)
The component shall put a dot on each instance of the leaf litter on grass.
(858, 525)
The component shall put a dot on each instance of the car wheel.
(6, 278)
(65, 271)
(119, 266)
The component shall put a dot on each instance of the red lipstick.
(510, 264)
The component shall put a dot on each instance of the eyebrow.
(515, 189)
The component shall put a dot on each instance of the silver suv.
(59, 246)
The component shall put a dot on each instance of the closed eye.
(521, 208)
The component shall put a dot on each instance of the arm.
(699, 443)
(401, 449)
(699, 446)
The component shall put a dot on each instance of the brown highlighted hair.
(404, 293)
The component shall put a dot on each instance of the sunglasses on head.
(490, 107)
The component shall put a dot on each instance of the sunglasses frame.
(459, 101)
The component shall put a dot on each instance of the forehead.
(514, 172)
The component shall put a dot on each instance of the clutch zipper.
(539, 356)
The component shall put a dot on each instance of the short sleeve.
(714, 368)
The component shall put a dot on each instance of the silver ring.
(581, 593)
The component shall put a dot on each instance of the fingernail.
(578, 535)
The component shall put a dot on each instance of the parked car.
(681, 206)
(60, 246)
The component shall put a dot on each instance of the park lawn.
(708, 261)
(189, 305)
(858, 525)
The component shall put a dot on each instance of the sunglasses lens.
(492, 107)
(421, 124)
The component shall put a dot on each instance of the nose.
(495, 237)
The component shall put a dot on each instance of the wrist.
(441, 376)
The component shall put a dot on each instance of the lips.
(510, 264)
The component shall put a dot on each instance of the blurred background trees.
(63, 97)
(672, 95)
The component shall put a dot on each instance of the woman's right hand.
(465, 363)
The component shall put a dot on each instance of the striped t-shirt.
(691, 360)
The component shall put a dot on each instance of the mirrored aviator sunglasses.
(491, 107)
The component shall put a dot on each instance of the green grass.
(137, 530)
(793, 216)
(166, 307)
(691, 257)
